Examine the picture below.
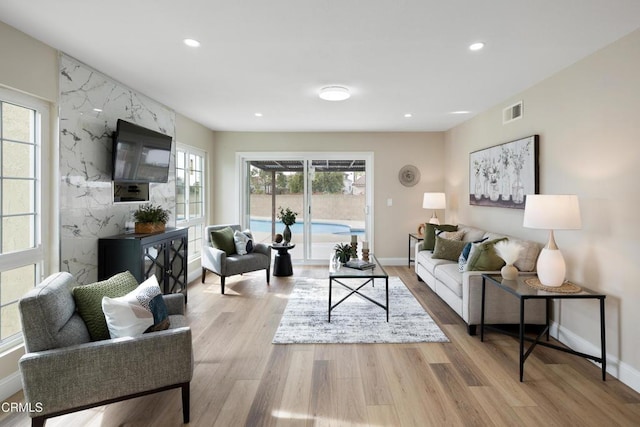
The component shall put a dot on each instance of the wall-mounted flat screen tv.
(140, 154)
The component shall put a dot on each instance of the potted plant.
(343, 252)
(150, 219)
(288, 217)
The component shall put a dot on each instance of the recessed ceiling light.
(257, 114)
(460, 112)
(408, 115)
(191, 42)
(476, 46)
(334, 93)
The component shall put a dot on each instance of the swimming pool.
(263, 225)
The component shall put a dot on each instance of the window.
(190, 174)
(21, 256)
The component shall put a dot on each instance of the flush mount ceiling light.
(476, 46)
(334, 93)
(408, 115)
(460, 112)
(191, 42)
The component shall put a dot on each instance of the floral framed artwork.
(504, 174)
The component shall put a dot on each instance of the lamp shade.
(434, 201)
(552, 212)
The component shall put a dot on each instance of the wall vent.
(512, 112)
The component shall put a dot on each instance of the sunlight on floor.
(322, 420)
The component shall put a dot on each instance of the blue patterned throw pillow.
(464, 256)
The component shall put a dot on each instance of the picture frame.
(502, 175)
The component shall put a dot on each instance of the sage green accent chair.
(63, 371)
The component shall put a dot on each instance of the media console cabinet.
(163, 254)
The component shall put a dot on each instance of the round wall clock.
(409, 175)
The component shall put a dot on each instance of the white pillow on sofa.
(141, 310)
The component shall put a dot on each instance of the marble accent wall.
(90, 105)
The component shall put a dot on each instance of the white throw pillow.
(133, 314)
(243, 242)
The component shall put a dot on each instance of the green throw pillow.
(89, 301)
(485, 258)
(223, 239)
(448, 249)
(430, 234)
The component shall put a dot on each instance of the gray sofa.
(462, 291)
(224, 265)
(64, 371)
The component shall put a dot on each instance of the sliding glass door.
(330, 192)
(337, 201)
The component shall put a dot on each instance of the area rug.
(355, 320)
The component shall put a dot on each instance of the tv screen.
(140, 154)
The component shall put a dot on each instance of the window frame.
(35, 255)
(201, 220)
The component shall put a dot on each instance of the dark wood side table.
(524, 292)
(418, 238)
(282, 261)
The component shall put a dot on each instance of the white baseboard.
(193, 275)
(620, 370)
(10, 385)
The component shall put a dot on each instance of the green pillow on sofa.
(448, 249)
(223, 239)
(88, 300)
(430, 234)
(485, 258)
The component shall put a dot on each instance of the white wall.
(587, 117)
(391, 151)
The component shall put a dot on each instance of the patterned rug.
(356, 320)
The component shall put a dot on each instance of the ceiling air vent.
(512, 112)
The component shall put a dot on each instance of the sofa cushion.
(450, 277)
(426, 260)
(471, 234)
(223, 239)
(485, 258)
(448, 249)
(141, 310)
(244, 263)
(430, 234)
(88, 300)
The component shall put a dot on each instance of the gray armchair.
(224, 265)
(63, 371)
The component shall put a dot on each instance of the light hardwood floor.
(240, 378)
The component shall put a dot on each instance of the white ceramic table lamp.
(434, 201)
(552, 212)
